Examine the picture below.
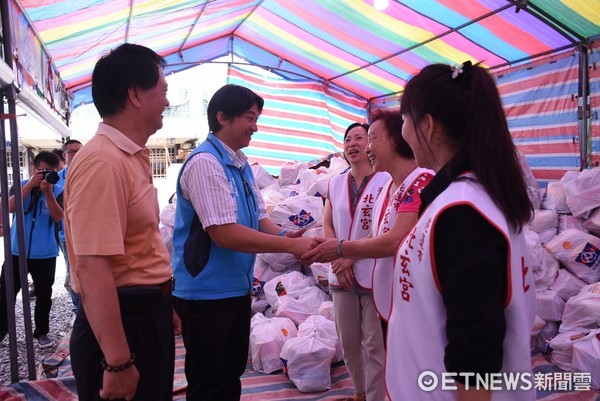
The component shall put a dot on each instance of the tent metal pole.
(584, 110)
(10, 92)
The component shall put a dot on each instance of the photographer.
(42, 209)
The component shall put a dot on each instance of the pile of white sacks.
(565, 247)
(293, 329)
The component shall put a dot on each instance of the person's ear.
(222, 118)
(134, 96)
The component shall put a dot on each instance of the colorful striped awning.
(347, 43)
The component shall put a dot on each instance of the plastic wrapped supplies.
(285, 284)
(549, 305)
(544, 220)
(579, 252)
(322, 328)
(261, 176)
(301, 304)
(582, 311)
(592, 224)
(267, 337)
(586, 357)
(568, 222)
(307, 362)
(562, 348)
(545, 275)
(555, 198)
(582, 192)
(567, 285)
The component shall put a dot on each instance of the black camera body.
(50, 176)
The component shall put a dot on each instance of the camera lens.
(51, 177)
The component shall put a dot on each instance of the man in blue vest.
(42, 208)
(220, 223)
(69, 149)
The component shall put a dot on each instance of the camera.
(50, 176)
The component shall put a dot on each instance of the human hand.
(295, 233)
(302, 245)
(36, 179)
(344, 273)
(176, 323)
(121, 384)
(325, 252)
(46, 187)
(341, 265)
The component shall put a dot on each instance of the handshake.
(309, 250)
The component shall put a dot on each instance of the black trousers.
(42, 272)
(216, 335)
(147, 316)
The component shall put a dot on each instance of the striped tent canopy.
(364, 50)
(328, 61)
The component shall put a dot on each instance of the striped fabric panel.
(301, 120)
(594, 71)
(540, 102)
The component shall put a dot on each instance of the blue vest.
(202, 270)
(62, 175)
(40, 228)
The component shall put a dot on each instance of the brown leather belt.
(167, 286)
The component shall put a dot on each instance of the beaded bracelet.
(339, 248)
(118, 368)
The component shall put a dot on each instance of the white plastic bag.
(549, 305)
(562, 348)
(326, 309)
(583, 193)
(544, 220)
(261, 176)
(568, 222)
(546, 334)
(567, 285)
(555, 198)
(285, 284)
(320, 272)
(322, 327)
(307, 362)
(592, 223)
(582, 311)
(546, 273)
(289, 172)
(280, 262)
(579, 252)
(267, 337)
(586, 357)
(299, 305)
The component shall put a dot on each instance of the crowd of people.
(423, 232)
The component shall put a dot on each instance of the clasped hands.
(319, 249)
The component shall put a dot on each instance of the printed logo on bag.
(302, 219)
(590, 256)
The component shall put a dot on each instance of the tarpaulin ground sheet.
(57, 383)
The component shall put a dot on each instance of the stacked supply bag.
(564, 240)
(291, 294)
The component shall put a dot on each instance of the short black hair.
(46, 157)
(59, 152)
(70, 142)
(127, 66)
(232, 100)
(354, 125)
